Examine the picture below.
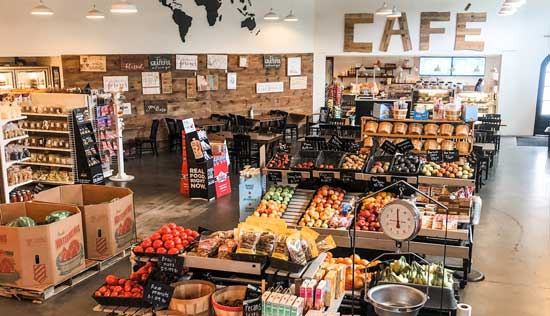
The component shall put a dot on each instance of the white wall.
(150, 31)
(519, 38)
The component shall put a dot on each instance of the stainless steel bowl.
(396, 299)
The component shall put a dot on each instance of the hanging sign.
(294, 65)
(166, 80)
(150, 82)
(132, 62)
(115, 83)
(269, 87)
(298, 83)
(231, 81)
(272, 62)
(160, 62)
(191, 88)
(216, 62)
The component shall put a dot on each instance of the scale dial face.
(400, 220)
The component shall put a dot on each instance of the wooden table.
(265, 118)
(204, 123)
(262, 139)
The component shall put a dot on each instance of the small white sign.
(294, 66)
(217, 62)
(115, 83)
(187, 62)
(243, 61)
(270, 87)
(298, 83)
(150, 82)
(126, 108)
(231, 81)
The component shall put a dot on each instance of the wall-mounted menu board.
(468, 66)
(435, 66)
(452, 66)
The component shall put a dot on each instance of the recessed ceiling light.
(384, 10)
(271, 15)
(41, 9)
(95, 14)
(123, 6)
(291, 17)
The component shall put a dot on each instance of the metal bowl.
(396, 299)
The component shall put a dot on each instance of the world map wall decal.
(213, 15)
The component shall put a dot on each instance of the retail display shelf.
(417, 136)
(48, 164)
(49, 149)
(7, 141)
(14, 119)
(15, 186)
(47, 131)
(46, 114)
(13, 162)
(52, 182)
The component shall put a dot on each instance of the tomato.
(157, 243)
(120, 283)
(135, 290)
(173, 251)
(138, 249)
(111, 279)
(146, 243)
(190, 238)
(165, 230)
(107, 293)
(175, 232)
(177, 240)
(169, 244)
(194, 234)
(137, 295)
(118, 288)
(134, 276)
(150, 250)
(103, 289)
(127, 288)
(171, 225)
(144, 277)
(184, 243)
(127, 294)
(167, 237)
(155, 236)
(161, 250)
(183, 236)
(180, 229)
(188, 231)
(114, 294)
(98, 293)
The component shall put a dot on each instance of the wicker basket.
(447, 145)
(385, 128)
(452, 114)
(400, 114)
(446, 130)
(462, 130)
(192, 298)
(228, 294)
(431, 129)
(417, 143)
(463, 148)
(415, 129)
(371, 127)
(400, 128)
(431, 144)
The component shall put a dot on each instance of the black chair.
(292, 127)
(151, 140)
(174, 139)
(243, 153)
(491, 123)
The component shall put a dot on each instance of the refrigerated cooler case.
(7, 81)
(23, 77)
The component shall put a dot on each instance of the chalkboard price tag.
(337, 143)
(158, 294)
(347, 177)
(275, 176)
(326, 177)
(170, 264)
(395, 179)
(450, 155)
(389, 147)
(378, 183)
(252, 307)
(435, 156)
(307, 146)
(294, 177)
(405, 146)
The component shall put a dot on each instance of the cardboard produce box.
(108, 214)
(41, 255)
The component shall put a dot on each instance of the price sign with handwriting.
(158, 294)
(450, 155)
(378, 183)
(275, 176)
(389, 147)
(347, 177)
(435, 156)
(405, 146)
(294, 177)
(326, 177)
(170, 264)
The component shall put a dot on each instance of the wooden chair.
(151, 140)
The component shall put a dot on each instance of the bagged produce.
(249, 236)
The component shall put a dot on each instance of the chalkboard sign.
(252, 307)
(170, 264)
(435, 156)
(307, 146)
(294, 177)
(160, 62)
(389, 147)
(155, 106)
(272, 62)
(378, 183)
(158, 294)
(347, 177)
(336, 143)
(405, 146)
(395, 179)
(326, 177)
(275, 176)
(450, 155)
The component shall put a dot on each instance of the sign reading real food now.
(425, 31)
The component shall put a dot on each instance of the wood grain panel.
(462, 30)
(403, 31)
(349, 28)
(426, 18)
(182, 105)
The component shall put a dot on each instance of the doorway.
(542, 118)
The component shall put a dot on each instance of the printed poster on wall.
(243, 61)
(298, 83)
(231, 81)
(217, 62)
(269, 87)
(207, 83)
(93, 63)
(150, 82)
(294, 66)
(187, 62)
(115, 83)
(166, 80)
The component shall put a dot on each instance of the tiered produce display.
(274, 202)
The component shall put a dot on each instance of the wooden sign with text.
(166, 82)
(132, 62)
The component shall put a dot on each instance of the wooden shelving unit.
(6, 188)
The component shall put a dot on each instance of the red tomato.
(173, 251)
(146, 243)
(188, 231)
(118, 288)
(179, 228)
(177, 240)
(155, 236)
(169, 244)
(138, 249)
(165, 230)
(194, 234)
(127, 294)
(103, 289)
(120, 283)
(167, 237)
(183, 236)
(190, 238)
(185, 243)
(111, 279)
(171, 225)
(137, 295)
(150, 250)
(107, 293)
(175, 232)
(157, 243)
(161, 250)
(98, 293)
(179, 247)
(115, 294)
(134, 276)
(135, 290)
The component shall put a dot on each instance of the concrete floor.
(512, 242)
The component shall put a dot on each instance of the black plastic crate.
(382, 159)
(303, 157)
(394, 165)
(328, 158)
(353, 170)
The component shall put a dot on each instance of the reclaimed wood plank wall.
(205, 103)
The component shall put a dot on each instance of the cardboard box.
(108, 214)
(40, 256)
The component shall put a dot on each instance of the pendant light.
(271, 15)
(384, 10)
(41, 9)
(507, 11)
(95, 14)
(123, 6)
(394, 13)
(291, 17)
(437, 68)
(513, 3)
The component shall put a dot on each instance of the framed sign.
(126, 108)
(93, 63)
(231, 81)
(191, 88)
(217, 62)
(155, 106)
(269, 87)
(187, 62)
(56, 77)
(298, 83)
(294, 66)
(272, 62)
(150, 82)
(160, 62)
(243, 61)
(115, 83)
(166, 80)
(132, 62)
(207, 83)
